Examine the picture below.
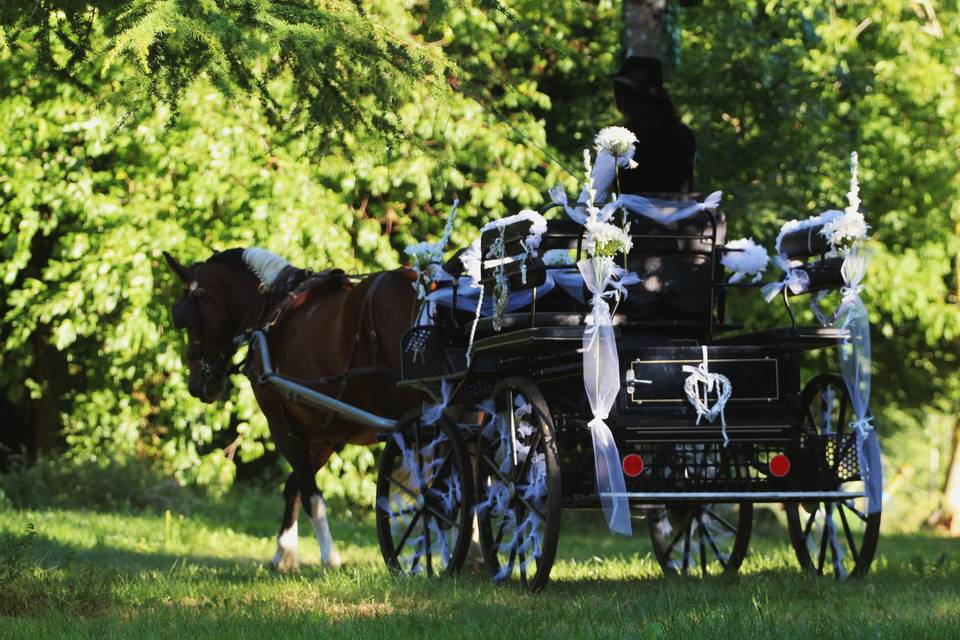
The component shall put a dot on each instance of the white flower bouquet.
(617, 141)
(605, 240)
(423, 254)
(843, 231)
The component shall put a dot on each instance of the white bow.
(863, 428)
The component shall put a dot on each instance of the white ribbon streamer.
(601, 380)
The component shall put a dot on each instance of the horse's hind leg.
(286, 558)
(318, 515)
(313, 502)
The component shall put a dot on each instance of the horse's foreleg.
(286, 557)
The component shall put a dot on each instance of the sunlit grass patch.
(206, 574)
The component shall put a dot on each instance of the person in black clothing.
(665, 148)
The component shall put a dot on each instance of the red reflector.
(632, 465)
(779, 465)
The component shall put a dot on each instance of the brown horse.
(343, 338)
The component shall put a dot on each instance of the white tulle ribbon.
(601, 380)
(433, 412)
(794, 279)
(863, 428)
(662, 211)
(710, 381)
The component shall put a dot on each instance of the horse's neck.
(243, 297)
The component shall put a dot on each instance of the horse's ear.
(182, 272)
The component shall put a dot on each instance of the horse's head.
(206, 311)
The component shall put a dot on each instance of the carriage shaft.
(310, 397)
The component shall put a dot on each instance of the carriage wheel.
(704, 539)
(424, 498)
(842, 530)
(518, 480)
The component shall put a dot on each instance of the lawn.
(206, 575)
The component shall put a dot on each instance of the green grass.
(207, 575)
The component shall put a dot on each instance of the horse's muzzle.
(208, 388)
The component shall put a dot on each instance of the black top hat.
(642, 75)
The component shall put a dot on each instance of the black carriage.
(509, 437)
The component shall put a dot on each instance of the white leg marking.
(285, 559)
(318, 514)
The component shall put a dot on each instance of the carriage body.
(772, 443)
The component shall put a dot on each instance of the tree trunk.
(949, 514)
(46, 410)
(644, 23)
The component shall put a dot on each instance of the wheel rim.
(516, 474)
(703, 540)
(423, 500)
(833, 537)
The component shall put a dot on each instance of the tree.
(778, 94)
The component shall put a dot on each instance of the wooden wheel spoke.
(686, 550)
(822, 551)
(522, 469)
(495, 470)
(407, 490)
(439, 516)
(427, 505)
(703, 547)
(529, 505)
(500, 531)
(443, 467)
(523, 568)
(857, 512)
(807, 527)
(716, 550)
(723, 521)
(416, 447)
(848, 533)
(836, 553)
(513, 556)
(675, 540)
(403, 539)
(426, 544)
(416, 557)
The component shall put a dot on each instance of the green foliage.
(134, 485)
(340, 53)
(336, 133)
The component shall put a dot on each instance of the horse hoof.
(286, 563)
(333, 562)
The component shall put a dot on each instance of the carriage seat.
(678, 265)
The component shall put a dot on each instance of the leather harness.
(299, 285)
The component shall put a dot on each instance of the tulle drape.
(601, 380)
